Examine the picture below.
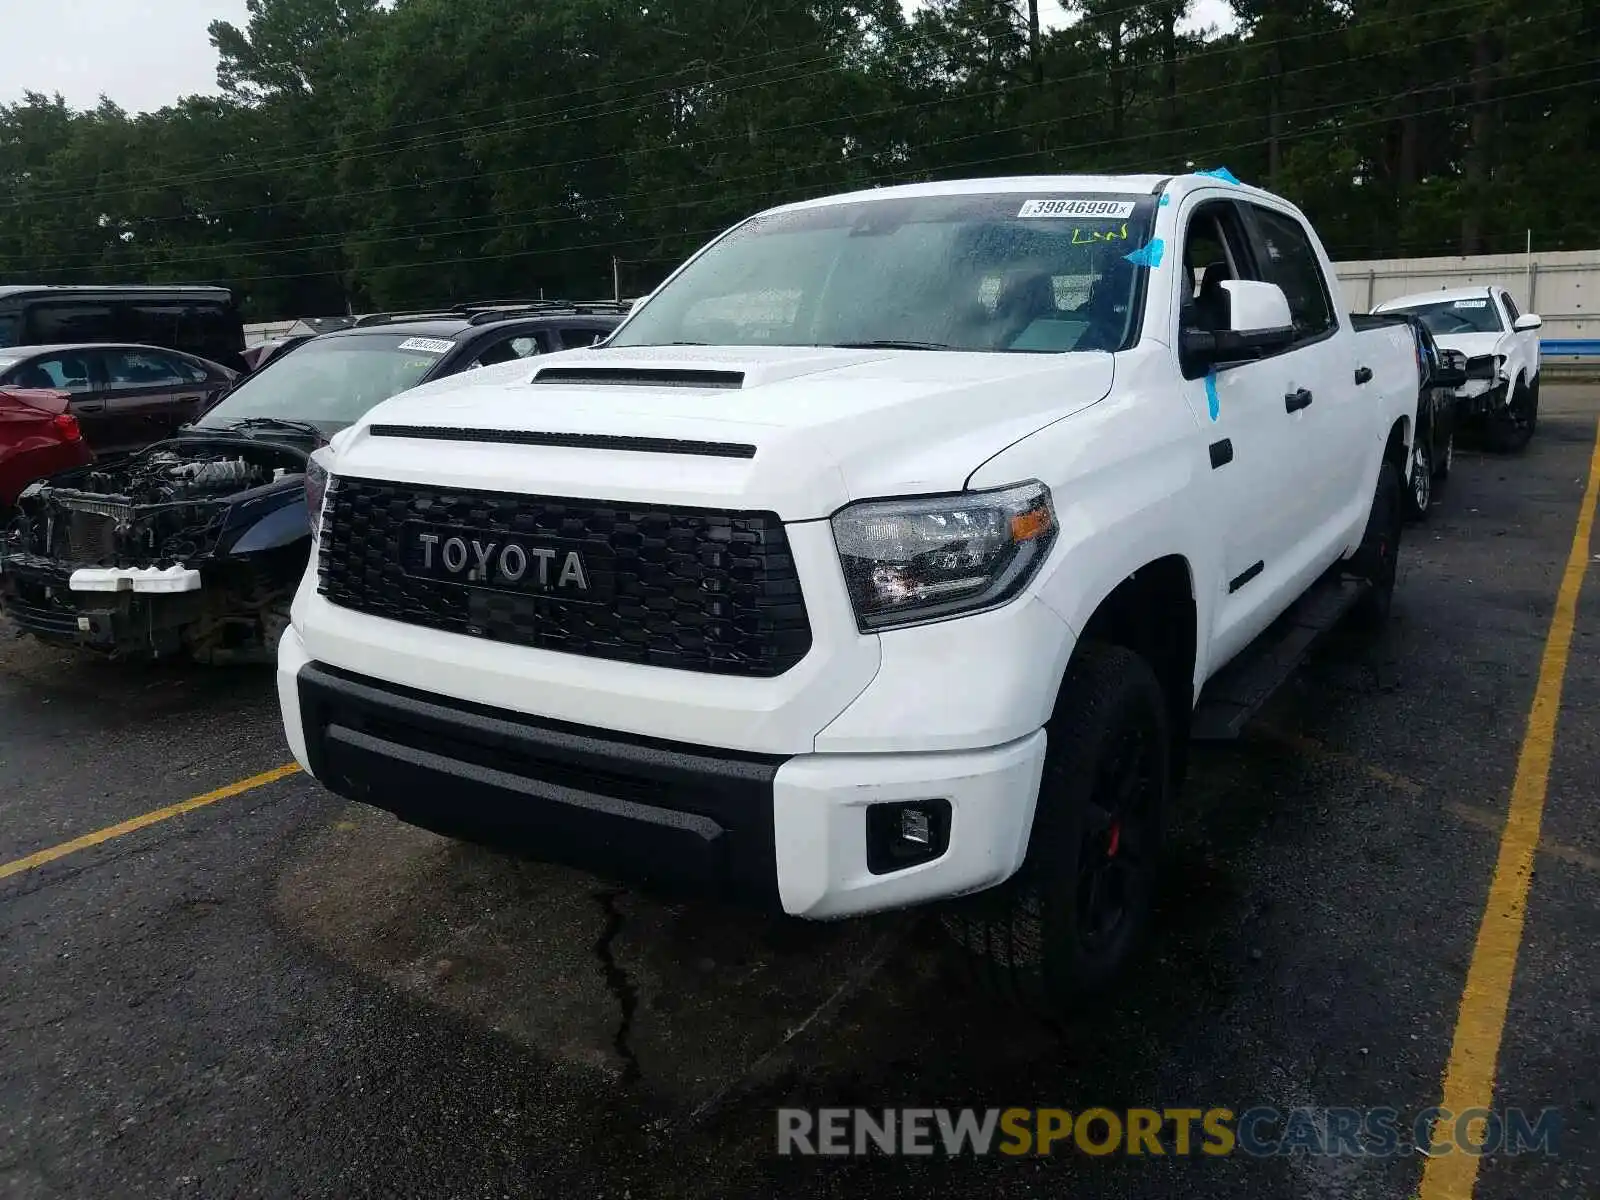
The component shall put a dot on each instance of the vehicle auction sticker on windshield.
(427, 345)
(1110, 210)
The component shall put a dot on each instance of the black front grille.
(695, 589)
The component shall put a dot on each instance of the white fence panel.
(1563, 287)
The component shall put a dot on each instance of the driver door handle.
(1296, 400)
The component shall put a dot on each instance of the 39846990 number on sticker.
(1110, 210)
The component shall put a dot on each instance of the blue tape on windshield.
(1221, 173)
(1148, 255)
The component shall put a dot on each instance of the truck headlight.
(318, 482)
(909, 561)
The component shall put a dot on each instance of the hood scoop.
(684, 377)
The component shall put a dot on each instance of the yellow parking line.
(41, 857)
(1483, 818)
(1470, 1074)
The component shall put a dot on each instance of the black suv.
(497, 331)
(195, 544)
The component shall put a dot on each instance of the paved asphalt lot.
(278, 994)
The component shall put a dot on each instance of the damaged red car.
(38, 437)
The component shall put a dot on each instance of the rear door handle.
(1363, 375)
(1296, 400)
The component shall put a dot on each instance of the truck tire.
(1511, 431)
(1446, 459)
(1060, 930)
(1419, 491)
(1376, 560)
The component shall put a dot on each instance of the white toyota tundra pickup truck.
(891, 552)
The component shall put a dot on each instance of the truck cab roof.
(1146, 184)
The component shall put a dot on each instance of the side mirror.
(1528, 321)
(1258, 322)
(1451, 371)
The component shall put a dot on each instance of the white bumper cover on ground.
(135, 579)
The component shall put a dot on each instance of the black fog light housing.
(905, 833)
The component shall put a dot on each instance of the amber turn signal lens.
(1031, 524)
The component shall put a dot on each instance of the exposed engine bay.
(167, 476)
(162, 551)
(166, 506)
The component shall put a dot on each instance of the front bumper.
(1481, 398)
(789, 830)
(121, 612)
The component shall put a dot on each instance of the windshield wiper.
(891, 344)
(273, 423)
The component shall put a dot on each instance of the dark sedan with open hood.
(195, 545)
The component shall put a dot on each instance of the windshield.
(1473, 315)
(1047, 273)
(330, 382)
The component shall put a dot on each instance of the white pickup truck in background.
(1502, 348)
(891, 552)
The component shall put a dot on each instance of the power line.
(454, 226)
(1210, 152)
(553, 215)
(601, 108)
(624, 103)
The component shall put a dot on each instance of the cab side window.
(1292, 264)
(1511, 309)
(1215, 250)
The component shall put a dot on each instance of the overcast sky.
(146, 53)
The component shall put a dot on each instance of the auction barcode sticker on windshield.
(1108, 210)
(428, 345)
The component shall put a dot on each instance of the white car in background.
(1502, 349)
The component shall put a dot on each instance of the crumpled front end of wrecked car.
(133, 556)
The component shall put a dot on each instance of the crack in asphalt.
(617, 982)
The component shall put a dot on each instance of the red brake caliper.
(1116, 837)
